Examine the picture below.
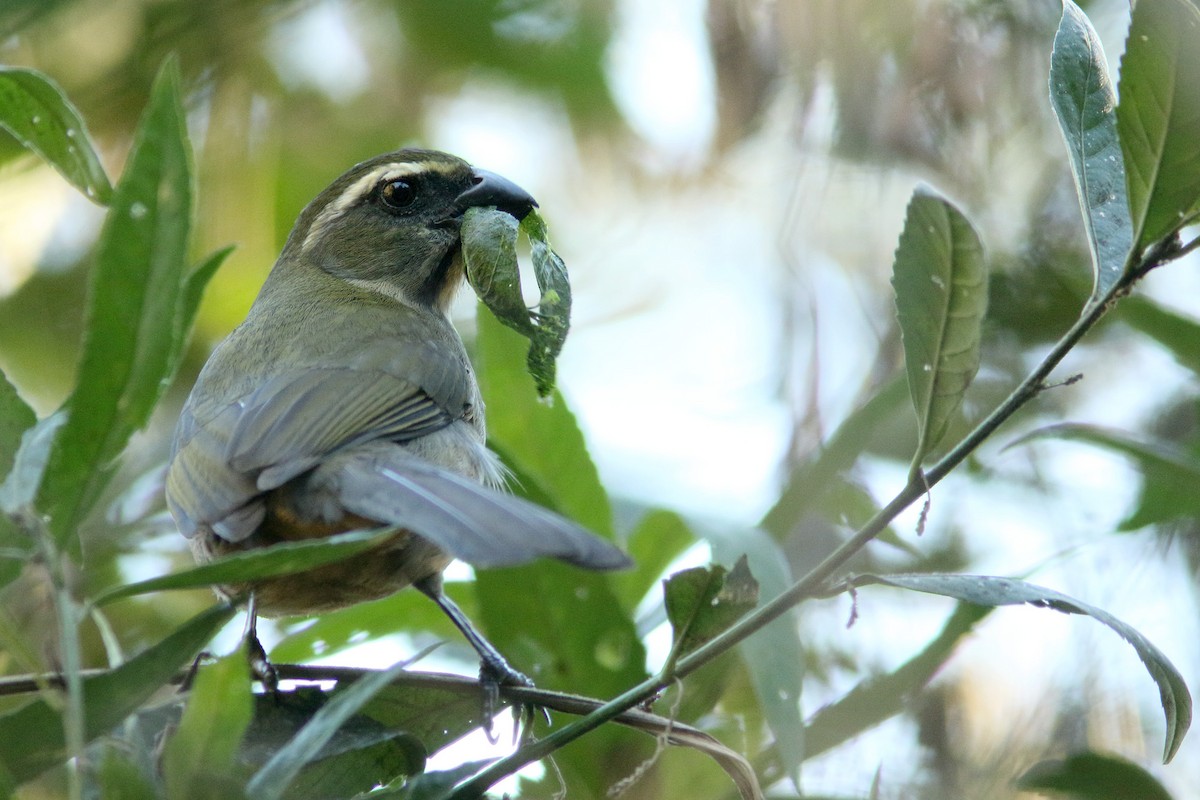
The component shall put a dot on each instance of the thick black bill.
(490, 189)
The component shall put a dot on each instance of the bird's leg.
(260, 666)
(494, 671)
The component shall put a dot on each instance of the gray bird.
(346, 401)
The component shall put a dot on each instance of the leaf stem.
(811, 584)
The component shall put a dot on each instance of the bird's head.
(391, 224)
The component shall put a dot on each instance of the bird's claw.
(493, 675)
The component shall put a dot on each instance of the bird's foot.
(261, 667)
(494, 673)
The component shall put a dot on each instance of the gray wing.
(383, 482)
(280, 430)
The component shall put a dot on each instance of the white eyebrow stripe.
(363, 186)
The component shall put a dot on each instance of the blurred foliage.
(950, 91)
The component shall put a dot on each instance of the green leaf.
(271, 782)
(1178, 333)
(201, 756)
(1092, 776)
(489, 245)
(361, 754)
(15, 418)
(659, 538)
(135, 297)
(19, 489)
(553, 315)
(264, 562)
(884, 696)
(36, 111)
(941, 296)
(704, 601)
(434, 785)
(774, 656)
(31, 738)
(189, 303)
(403, 612)
(542, 441)
(810, 481)
(489, 238)
(1169, 475)
(1158, 117)
(1085, 104)
(987, 590)
(118, 778)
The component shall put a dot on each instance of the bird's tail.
(481, 526)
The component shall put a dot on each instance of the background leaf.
(1085, 103)
(941, 296)
(276, 775)
(1092, 776)
(1169, 475)
(136, 285)
(31, 738)
(883, 696)
(1159, 117)
(15, 418)
(989, 590)
(200, 758)
(38, 113)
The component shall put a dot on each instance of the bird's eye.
(397, 194)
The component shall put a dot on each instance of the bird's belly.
(371, 575)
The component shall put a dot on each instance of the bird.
(346, 401)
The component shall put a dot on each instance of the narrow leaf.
(134, 299)
(1159, 117)
(1085, 104)
(1178, 333)
(36, 111)
(265, 562)
(15, 418)
(987, 590)
(200, 758)
(271, 782)
(19, 489)
(24, 447)
(941, 296)
(189, 304)
(811, 480)
(31, 738)
(1169, 474)
(882, 697)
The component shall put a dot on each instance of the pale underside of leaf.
(1085, 103)
(989, 590)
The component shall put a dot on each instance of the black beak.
(489, 189)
